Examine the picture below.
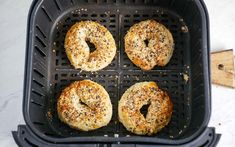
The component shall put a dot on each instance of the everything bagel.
(149, 43)
(78, 51)
(84, 105)
(159, 110)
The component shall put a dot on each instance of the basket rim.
(137, 139)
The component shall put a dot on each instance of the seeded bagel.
(84, 105)
(78, 51)
(159, 110)
(149, 43)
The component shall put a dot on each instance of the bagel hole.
(146, 41)
(91, 46)
(83, 103)
(144, 110)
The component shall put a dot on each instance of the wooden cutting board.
(222, 68)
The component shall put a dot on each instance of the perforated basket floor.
(122, 73)
(48, 70)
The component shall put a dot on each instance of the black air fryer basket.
(48, 71)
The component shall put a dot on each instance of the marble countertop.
(13, 19)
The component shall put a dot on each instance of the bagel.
(149, 43)
(159, 110)
(84, 105)
(78, 51)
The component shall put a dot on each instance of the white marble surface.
(13, 16)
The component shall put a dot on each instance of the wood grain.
(222, 67)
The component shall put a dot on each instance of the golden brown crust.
(78, 51)
(160, 44)
(159, 111)
(84, 105)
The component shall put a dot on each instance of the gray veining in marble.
(13, 20)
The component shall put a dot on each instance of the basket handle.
(24, 137)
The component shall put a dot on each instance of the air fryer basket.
(48, 70)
